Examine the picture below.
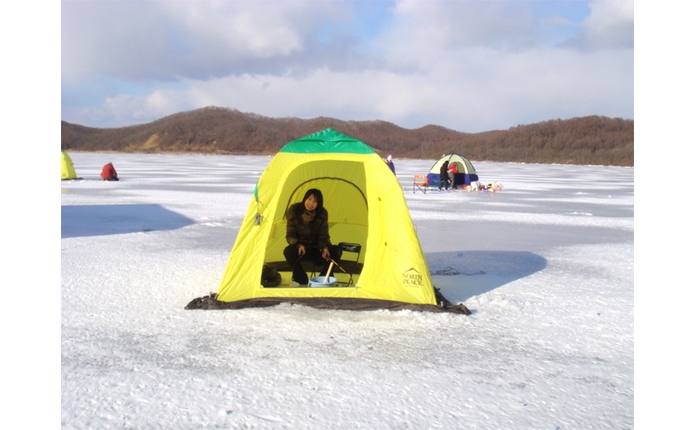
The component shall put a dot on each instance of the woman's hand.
(326, 253)
(301, 250)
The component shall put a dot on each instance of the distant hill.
(586, 140)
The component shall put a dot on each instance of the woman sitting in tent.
(108, 173)
(308, 238)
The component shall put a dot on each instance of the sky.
(546, 266)
(470, 66)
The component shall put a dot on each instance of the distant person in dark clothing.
(389, 162)
(444, 175)
(108, 173)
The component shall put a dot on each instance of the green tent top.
(327, 141)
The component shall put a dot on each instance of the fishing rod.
(350, 281)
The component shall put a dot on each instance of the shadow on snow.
(101, 220)
(462, 275)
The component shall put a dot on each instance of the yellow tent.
(67, 170)
(366, 206)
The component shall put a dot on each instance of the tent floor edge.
(210, 302)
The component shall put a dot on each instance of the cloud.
(471, 66)
(610, 26)
(457, 25)
(159, 41)
(505, 90)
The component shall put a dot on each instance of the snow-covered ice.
(546, 266)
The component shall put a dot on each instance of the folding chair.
(354, 248)
(420, 183)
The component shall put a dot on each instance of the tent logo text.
(412, 278)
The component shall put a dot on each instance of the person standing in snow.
(453, 170)
(443, 175)
(389, 162)
(307, 237)
(108, 173)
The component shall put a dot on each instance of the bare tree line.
(586, 140)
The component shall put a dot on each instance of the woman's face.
(310, 203)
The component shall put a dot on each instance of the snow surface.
(545, 265)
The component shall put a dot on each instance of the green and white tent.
(465, 176)
(366, 206)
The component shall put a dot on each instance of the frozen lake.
(546, 266)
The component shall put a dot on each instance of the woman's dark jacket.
(311, 235)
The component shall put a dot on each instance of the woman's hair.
(317, 195)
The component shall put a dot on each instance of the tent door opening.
(346, 203)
